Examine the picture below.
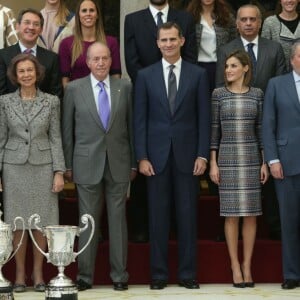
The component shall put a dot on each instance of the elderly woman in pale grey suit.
(31, 159)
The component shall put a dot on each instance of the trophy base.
(6, 293)
(61, 293)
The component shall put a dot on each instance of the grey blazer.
(35, 138)
(270, 61)
(85, 141)
(281, 123)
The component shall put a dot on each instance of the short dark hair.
(12, 68)
(32, 11)
(243, 57)
(169, 25)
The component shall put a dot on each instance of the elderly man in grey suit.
(281, 132)
(97, 140)
(268, 61)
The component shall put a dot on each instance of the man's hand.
(199, 166)
(276, 170)
(145, 167)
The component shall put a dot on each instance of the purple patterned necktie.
(103, 105)
(28, 51)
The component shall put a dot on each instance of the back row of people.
(248, 23)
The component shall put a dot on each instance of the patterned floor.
(207, 292)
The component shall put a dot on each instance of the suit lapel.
(160, 85)
(183, 85)
(262, 56)
(291, 91)
(88, 97)
(37, 106)
(149, 22)
(115, 92)
(172, 15)
(16, 105)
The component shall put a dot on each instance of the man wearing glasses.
(29, 26)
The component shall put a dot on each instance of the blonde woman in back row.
(59, 23)
(8, 33)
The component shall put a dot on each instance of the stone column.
(127, 6)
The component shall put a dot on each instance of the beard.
(158, 2)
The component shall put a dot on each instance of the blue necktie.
(252, 57)
(103, 105)
(172, 88)
(159, 19)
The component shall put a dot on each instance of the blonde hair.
(77, 47)
(62, 14)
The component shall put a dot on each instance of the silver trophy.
(60, 239)
(6, 248)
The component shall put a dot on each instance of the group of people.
(203, 96)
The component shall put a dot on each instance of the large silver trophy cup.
(6, 249)
(60, 239)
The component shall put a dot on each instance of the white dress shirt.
(96, 89)
(23, 48)
(255, 46)
(154, 11)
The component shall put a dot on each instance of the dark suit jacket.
(140, 35)
(281, 124)
(270, 61)
(52, 81)
(156, 130)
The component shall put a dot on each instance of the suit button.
(26, 130)
(26, 143)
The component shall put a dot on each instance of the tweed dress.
(236, 135)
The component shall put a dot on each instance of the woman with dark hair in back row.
(215, 26)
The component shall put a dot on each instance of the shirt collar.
(296, 76)
(166, 64)
(154, 10)
(245, 42)
(23, 48)
(95, 81)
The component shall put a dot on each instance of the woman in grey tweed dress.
(31, 159)
(236, 159)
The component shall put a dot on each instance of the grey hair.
(294, 49)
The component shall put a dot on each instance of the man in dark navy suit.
(172, 136)
(140, 34)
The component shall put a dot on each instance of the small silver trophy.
(6, 248)
(60, 239)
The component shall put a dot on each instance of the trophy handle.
(37, 219)
(85, 219)
(21, 239)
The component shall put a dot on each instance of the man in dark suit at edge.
(140, 33)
